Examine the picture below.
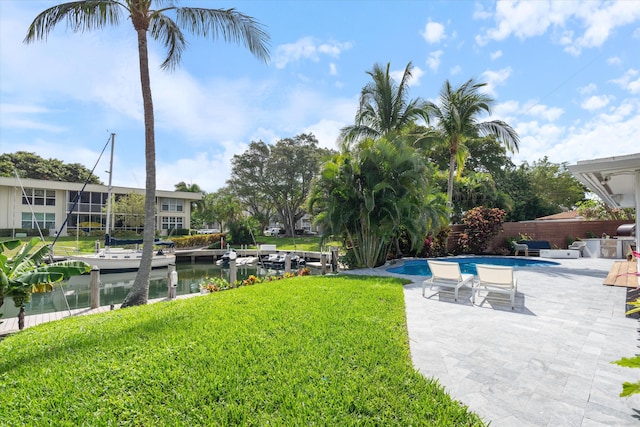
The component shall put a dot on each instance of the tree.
(384, 107)
(279, 175)
(248, 174)
(223, 207)
(25, 272)
(128, 210)
(373, 193)
(457, 121)
(30, 165)
(555, 185)
(196, 205)
(88, 15)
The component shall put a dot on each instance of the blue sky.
(564, 74)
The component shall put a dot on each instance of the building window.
(38, 219)
(172, 205)
(171, 222)
(38, 197)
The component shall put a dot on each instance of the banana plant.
(26, 272)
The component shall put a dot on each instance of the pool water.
(419, 267)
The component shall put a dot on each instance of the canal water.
(115, 286)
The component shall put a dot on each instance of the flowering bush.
(251, 280)
(304, 271)
(481, 225)
(216, 284)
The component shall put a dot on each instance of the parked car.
(208, 231)
(273, 231)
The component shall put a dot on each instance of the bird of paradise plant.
(26, 272)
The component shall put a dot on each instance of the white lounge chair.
(447, 274)
(496, 278)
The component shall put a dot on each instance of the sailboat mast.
(109, 189)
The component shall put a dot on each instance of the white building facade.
(29, 203)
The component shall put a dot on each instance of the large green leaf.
(629, 362)
(630, 388)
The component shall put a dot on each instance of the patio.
(548, 363)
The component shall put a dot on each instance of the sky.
(564, 74)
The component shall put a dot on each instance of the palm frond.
(228, 24)
(81, 16)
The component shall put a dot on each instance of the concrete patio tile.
(547, 363)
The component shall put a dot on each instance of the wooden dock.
(623, 273)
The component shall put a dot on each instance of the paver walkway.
(547, 363)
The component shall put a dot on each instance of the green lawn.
(314, 350)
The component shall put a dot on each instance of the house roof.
(562, 216)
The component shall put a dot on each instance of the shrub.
(481, 225)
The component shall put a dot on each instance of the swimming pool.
(419, 267)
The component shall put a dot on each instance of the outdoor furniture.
(560, 253)
(495, 279)
(447, 274)
(530, 246)
(578, 245)
(521, 247)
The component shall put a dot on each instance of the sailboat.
(114, 259)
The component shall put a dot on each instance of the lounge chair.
(495, 279)
(447, 274)
(578, 245)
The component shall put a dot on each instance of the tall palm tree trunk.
(452, 165)
(139, 293)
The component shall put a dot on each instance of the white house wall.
(11, 207)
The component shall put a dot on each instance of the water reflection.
(115, 286)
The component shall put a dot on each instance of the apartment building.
(29, 203)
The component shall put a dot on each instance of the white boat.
(117, 259)
(112, 259)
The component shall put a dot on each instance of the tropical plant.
(87, 15)
(384, 107)
(196, 205)
(481, 224)
(373, 193)
(457, 121)
(629, 388)
(26, 273)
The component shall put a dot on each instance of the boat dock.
(213, 255)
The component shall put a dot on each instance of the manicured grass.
(330, 351)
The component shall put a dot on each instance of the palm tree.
(370, 195)
(457, 120)
(26, 272)
(384, 107)
(88, 15)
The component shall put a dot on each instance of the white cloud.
(495, 78)
(333, 70)
(596, 102)
(590, 88)
(416, 74)
(307, 48)
(495, 55)
(433, 61)
(433, 32)
(524, 19)
(629, 81)
(614, 60)
(455, 70)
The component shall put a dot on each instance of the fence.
(559, 233)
